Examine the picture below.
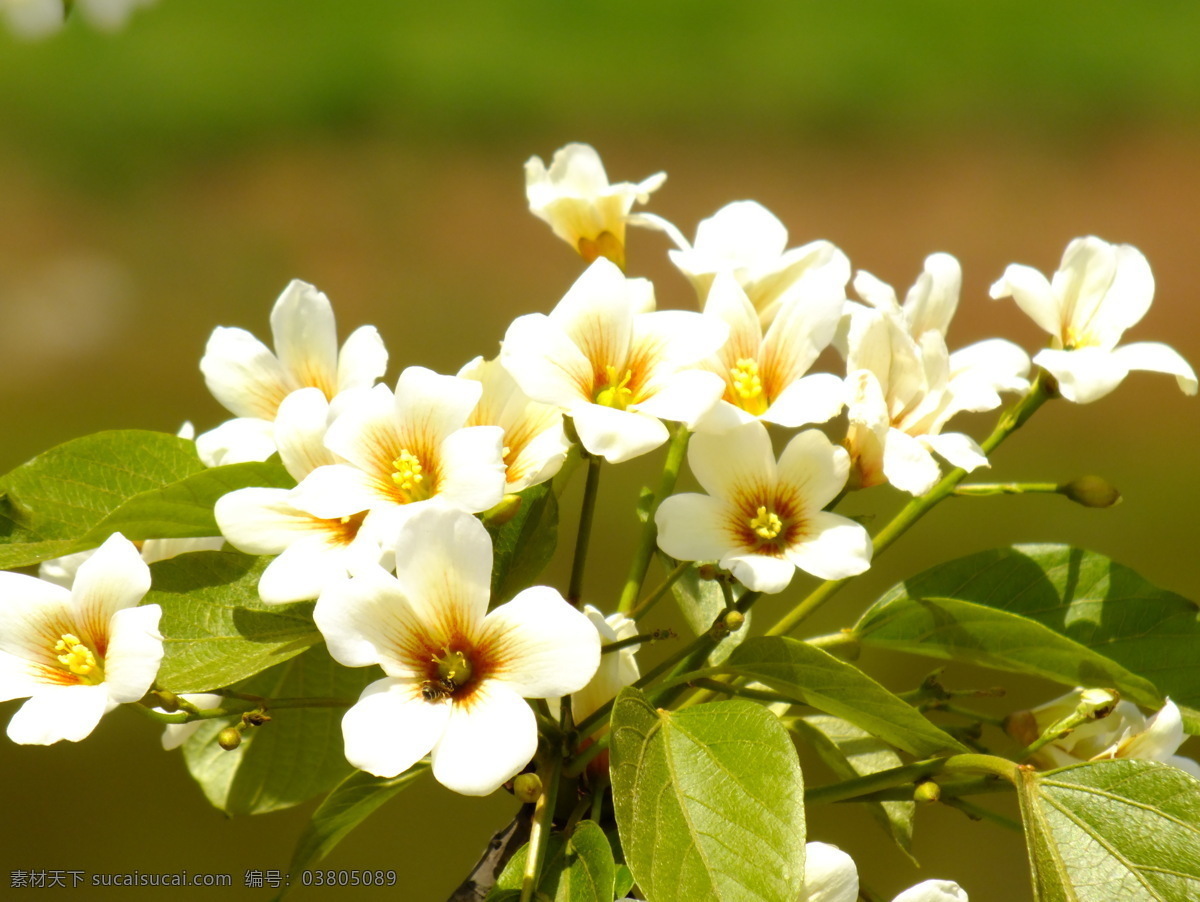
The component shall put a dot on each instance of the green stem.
(1010, 421)
(742, 691)
(989, 765)
(986, 489)
(543, 817)
(254, 702)
(645, 549)
(660, 591)
(639, 639)
(586, 514)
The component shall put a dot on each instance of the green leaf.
(1119, 829)
(217, 631)
(1069, 615)
(298, 754)
(709, 801)
(579, 869)
(524, 545)
(700, 601)
(184, 509)
(350, 803)
(51, 502)
(850, 752)
(817, 678)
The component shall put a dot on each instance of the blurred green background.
(173, 177)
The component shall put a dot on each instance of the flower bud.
(527, 787)
(503, 512)
(1091, 491)
(927, 791)
(734, 620)
(708, 571)
(168, 701)
(229, 738)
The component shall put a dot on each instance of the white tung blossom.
(1098, 292)
(1124, 733)
(251, 382)
(617, 366)
(312, 551)
(457, 675)
(748, 241)
(765, 375)
(761, 519)
(535, 443)
(830, 875)
(904, 384)
(76, 654)
(33, 19)
(405, 450)
(584, 210)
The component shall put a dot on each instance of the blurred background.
(161, 181)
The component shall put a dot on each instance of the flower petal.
(60, 712)
(933, 891)
(367, 620)
(112, 579)
(1155, 357)
(362, 360)
(472, 468)
(959, 449)
(830, 875)
(243, 375)
(617, 435)
(550, 649)
(300, 426)
(1084, 374)
(814, 468)
(305, 334)
(907, 463)
(444, 567)
(391, 727)
(833, 547)
(691, 527)
(728, 463)
(812, 399)
(1033, 294)
(135, 650)
(237, 441)
(759, 572)
(486, 743)
(545, 362)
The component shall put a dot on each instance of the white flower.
(584, 210)
(251, 381)
(32, 19)
(404, 451)
(110, 15)
(762, 519)
(176, 734)
(830, 875)
(746, 240)
(904, 385)
(614, 364)
(1098, 292)
(313, 551)
(535, 444)
(78, 653)
(617, 670)
(1125, 733)
(457, 675)
(765, 375)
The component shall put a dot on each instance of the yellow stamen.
(747, 386)
(76, 656)
(766, 525)
(408, 471)
(616, 392)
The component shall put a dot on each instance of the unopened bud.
(503, 512)
(527, 787)
(707, 571)
(1091, 491)
(734, 620)
(255, 718)
(927, 792)
(168, 701)
(1098, 703)
(229, 738)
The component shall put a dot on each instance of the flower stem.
(1010, 421)
(988, 765)
(660, 590)
(543, 816)
(586, 514)
(985, 489)
(645, 550)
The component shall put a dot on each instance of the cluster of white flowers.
(382, 527)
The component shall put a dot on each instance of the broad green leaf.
(1113, 830)
(815, 677)
(298, 754)
(709, 801)
(850, 752)
(349, 803)
(580, 869)
(50, 503)
(217, 631)
(1069, 615)
(184, 509)
(700, 601)
(524, 545)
